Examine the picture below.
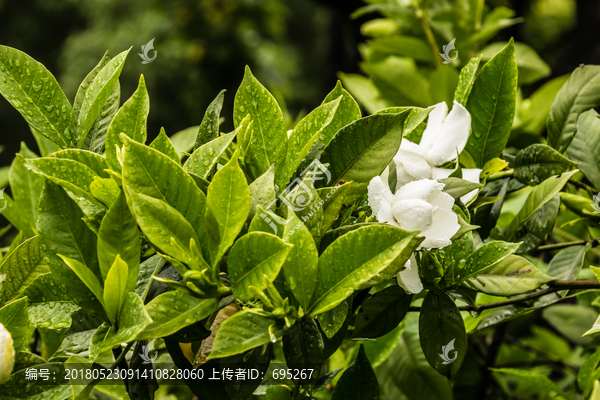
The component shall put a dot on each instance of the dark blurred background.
(296, 48)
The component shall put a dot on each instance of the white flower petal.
(7, 354)
(471, 175)
(434, 125)
(445, 223)
(441, 200)
(402, 176)
(454, 135)
(379, 192)
(409, 279)
(440, 173)
(414, 214)
(420, 189)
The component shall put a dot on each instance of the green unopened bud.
(7, 354)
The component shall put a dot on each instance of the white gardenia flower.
(446, 136)
(7, 354)
(418, 205)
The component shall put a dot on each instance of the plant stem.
(118, 361)
(554, 286)
(582, 185)
(429, 35)
(558, 246)
(568, 236)
(501, 174)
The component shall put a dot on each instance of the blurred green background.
(296, 48)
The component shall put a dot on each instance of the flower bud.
(7, 354)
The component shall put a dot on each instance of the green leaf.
(96, 138)
(362, 150)
(441, 328)
(147, 270)
(227, 207)
(163, 225)
(269, 140)
(119, 236)
(530, 65)
(173, 311)
(163, 144)
(359, 259)
(492, 105)
(333, 198)
(303, 138)
(278, 393)
(20, 268)
(57, 387)
(52, 315)
(579, 94)
(333, 320)
(457, 187)
(347, 112)
(105, 190)
(203, 160)
(209, 128)
(537, 228)
(585, 147)
(130, 120)
(443, 83)
(511, 276)
(62, 231)
(381, 313)
(34, 92)
(243, 331)
(87, 276)
(15, 318)
(534, 111)
(538, 382)
(115, 289)
(567, 264)
(252, 257)
(466, 79)
(539, 196)
(358, 382)
(262, 191)
(485, 257)
(539, 162)
(302, 198)
(97, 94)
(83, 87)
(365, 92)
(303, 345)
(300, 266)
(587, 372)
(184, 140)
(148, 172)
(93, 161)
(132, 321)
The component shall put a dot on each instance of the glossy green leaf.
(133, 321)
(96, 138)
(539, 162)
(530, 65)
(87, 276)
(567, 264)
(360, 151)
(20, 268)
(269, 140)
(15, 318)
(227, 207)
(93, 161)
(203, 160)
(209, 128)
(147, 270)
(534, 111)
(130, 120)
(119, 235)
(251, 258)
(334, 198)
(381, 313)
(457, 187)
(333, 320)
(511, 276)
(442, 333)
(173, 311)
(585, 147)
(539, 196)
(62, 231)
(303, 199)
(301, 264)
(163, 144)
(538, 382)
(466, 79)
(347, 112)
(303, 138)
(303, 345)
(537, 228)
(105, 190)
(262, 191)
(83, 87)
(115, 289)
(97, 94)
(363, 89)
(492, 105)
(52, 315)
(579, 94)
(358, 382)
(580, 205)
(367, 255)
(244, 331)
(34, 92)
(278, 393)
(148, 172)
(485, 257)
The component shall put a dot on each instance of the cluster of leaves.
(193, 242)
